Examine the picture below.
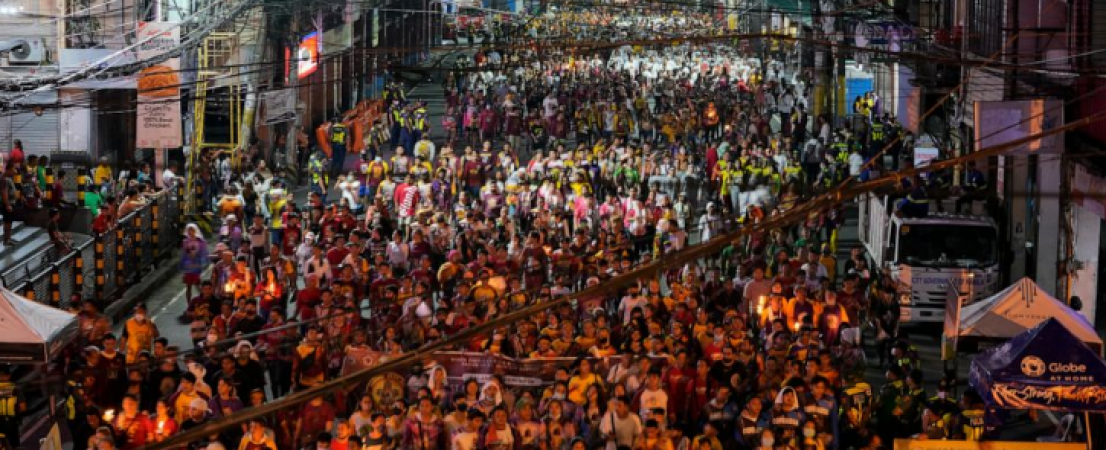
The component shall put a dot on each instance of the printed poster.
(159, 114)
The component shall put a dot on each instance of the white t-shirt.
(855, 163)
(651, 400)
(465, 440)
(550, 106)
(624, 429)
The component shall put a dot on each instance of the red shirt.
(132, 432)
(306, 300)
(292, 238)
(315, 418)
(16, 156)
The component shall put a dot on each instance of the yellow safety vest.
(9, 403)
(877, 132)
(338, 134)
(973, 426)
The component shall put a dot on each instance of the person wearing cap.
(196, 414)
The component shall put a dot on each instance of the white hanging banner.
(159, 117)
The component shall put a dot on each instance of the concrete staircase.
(28, 256)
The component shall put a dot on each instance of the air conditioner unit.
(33, 51)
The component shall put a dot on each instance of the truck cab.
(933, 259)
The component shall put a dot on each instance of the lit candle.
(109, 415)
(760, 305)
(160, 426)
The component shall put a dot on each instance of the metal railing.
(102, 268)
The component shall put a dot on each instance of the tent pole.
(1087, 429)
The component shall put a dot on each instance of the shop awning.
(1046, 367)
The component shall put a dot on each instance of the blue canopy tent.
(1045, 368)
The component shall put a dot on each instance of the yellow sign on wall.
(913, 444)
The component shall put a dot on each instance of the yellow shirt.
(578, 387)
(101, 174)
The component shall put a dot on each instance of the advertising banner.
(159, 116)
(516, 372)
(1046, 368)
(307, 56)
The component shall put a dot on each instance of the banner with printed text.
(159, 112)
(524, 373)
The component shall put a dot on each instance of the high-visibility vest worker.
(317, 170)
(338, 133)
(420, 119)
(877, 132)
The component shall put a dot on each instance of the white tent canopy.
(31, 332)
(1020, 307)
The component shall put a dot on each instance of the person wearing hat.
(196, 415)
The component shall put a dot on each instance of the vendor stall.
(1009, 313)
(30, 332)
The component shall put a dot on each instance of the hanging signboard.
(280, 106)
(159, 117)
(307, 57)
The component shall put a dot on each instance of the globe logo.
(1033, 366)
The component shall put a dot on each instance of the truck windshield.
(956, 246)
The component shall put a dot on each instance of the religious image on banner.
(388, 388)
(158, 112)
(357, 359)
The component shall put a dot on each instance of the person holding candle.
(164, 425)
(131, 427)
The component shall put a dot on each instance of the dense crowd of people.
(548, 176)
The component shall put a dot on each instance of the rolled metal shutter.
(40, 134)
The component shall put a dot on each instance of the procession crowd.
(548, 176)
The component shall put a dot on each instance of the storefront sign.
(159, 117)
(911, 444)
(280, 106)
(307, 57)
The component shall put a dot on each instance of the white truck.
(932, 258)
